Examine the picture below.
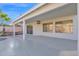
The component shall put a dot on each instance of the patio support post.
(24, 29)
(54, 26)
(14, 31)
(78, 25)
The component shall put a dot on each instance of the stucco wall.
(38, 29)
(1, 28)
(10, 29)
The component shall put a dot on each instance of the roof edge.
(29, 11)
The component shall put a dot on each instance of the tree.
(3, 19)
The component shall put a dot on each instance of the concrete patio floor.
(37, 46)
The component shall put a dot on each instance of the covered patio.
(46, 43)
(42, 14)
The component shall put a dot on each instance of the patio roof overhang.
(31, 10)
(45, 11)
(41, 8)
(65, 10)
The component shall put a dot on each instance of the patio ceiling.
(66, 10)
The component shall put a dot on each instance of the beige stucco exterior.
(38, 28)
(50, 13)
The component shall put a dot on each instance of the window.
(29, 29)
(48, 27)
(64, 26)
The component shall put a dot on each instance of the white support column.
(24, 29)
(78, 25)
(14, 31)
(54, 26)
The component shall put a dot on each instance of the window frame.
(44, 24)
(63, 25)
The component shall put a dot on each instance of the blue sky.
(14, 10)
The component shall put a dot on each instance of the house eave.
(32, 9)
